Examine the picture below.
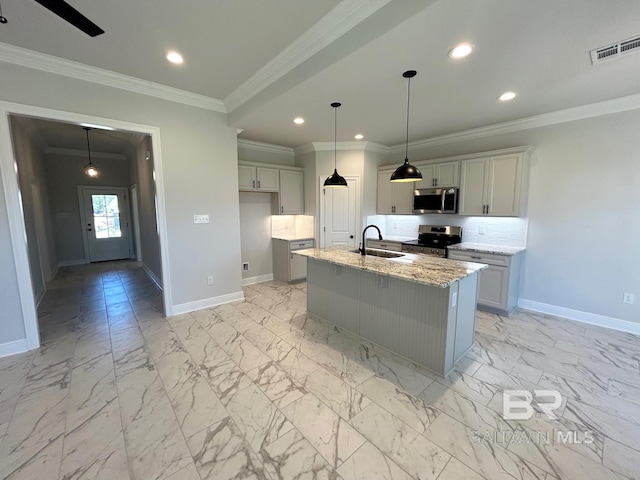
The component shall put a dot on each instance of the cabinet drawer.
(385, 245)
(488, 258)
(300, 244)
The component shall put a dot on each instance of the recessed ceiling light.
(461, 50)
(298, 120)
(506, 96)
(175, 57)
(359, 136)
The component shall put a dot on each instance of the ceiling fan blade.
(73, 16)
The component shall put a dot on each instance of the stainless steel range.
(433, 240)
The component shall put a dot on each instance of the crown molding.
(607, 107)
(345, 16)
(72, 152)
(68, 68)
(341, 146)
(265, 147)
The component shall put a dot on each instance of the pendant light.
(335, 180)
(407, 172)
(90, 170)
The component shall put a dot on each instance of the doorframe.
(321, 225)
(17, 229)
(83, 217)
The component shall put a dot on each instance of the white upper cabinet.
(494, 185)
(291, 192)
(394, 198)
(439, 175)
(268, 179)
(287, 182)
(246, 177)
(255, 178)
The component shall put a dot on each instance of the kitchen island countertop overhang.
(432, 271)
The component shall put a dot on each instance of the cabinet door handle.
(281, 209)
(476, 258)
(487, 209)
(436, 183)
(254, 184)
(258, 183)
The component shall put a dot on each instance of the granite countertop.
(480, 248)
(433, 271)
(292, 238)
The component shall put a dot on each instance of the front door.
(339, 219)
(106, 223)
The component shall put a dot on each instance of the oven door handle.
(444, 192)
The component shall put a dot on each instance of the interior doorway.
(340, 213)
(17, 226)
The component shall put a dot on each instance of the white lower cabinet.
(498, 284)
(288, 267)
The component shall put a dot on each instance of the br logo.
(519, 404)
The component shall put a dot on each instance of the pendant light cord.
(88, 145)
(335, 139)
(406, 145)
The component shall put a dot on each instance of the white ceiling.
(51, 136)
(536, 48)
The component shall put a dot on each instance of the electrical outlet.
(245, 266)
(201, 219)
(209, 280)
(628, 298)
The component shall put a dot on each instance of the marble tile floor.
(257, 390)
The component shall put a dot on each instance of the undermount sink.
(380, 253)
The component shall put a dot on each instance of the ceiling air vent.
(615, 50)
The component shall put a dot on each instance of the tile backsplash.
(510, 232)
(298, 225)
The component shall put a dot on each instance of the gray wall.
(65, 174)
(583, 209)
(33, 189)
(142, 176)
(199, 154)
(255, 225)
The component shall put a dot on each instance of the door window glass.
(106, 216)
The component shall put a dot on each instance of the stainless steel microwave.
(435, 200)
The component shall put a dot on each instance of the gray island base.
(421, 308)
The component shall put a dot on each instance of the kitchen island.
(419, 307)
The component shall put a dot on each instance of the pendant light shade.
(407, 172)
(90, 170)
(335, 180)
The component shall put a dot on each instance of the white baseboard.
(207, 302)
(259, 279)
(72, 263)
(12, 348)
(580, 316)
(152, 276)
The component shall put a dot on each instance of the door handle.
(88, 229)
(254, 184)
(281, 209)
(350, 236)
(258, 183)
(436, 183)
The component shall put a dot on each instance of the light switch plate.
(201, 219)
